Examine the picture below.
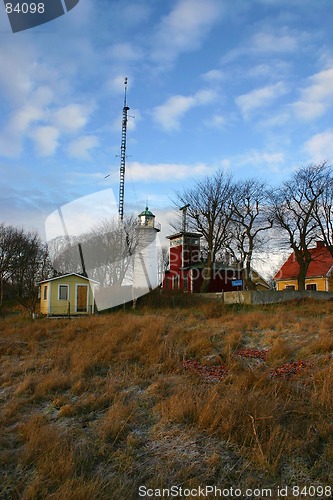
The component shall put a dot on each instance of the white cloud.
(285, 3)
(226, 163)
(25, 116)
(169, 114)
(11, 136)
(262, 158)
(272, 70)
(216, 121)
(10, 144)
(320, 146)
(35, 120)
(254, 162)
(36, 95)
(165, 171)
(80, 147)
(317, 97)
(213, 76)
(16, 75)
(132, 14)
(260, 70)
(134, 116)
(258, 98)
(115, 83)
(184, 29)
(81, 215)
(45, 139)
(29, 108)
(309, 110)
(268, 42)
(125, 52)
(275, 120)
(72, 117)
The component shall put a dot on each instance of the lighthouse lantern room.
(147, 219)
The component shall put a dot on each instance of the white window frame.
(45, 293)
(64, 285)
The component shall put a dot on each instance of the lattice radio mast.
(123, 155)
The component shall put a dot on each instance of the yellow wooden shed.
(70, 294)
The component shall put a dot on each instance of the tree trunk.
(301, 278)
(1, 289)
(249, 285)
(207, 274)
(303, 259)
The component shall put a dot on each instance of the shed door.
(82, 295)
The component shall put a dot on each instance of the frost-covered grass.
(94, 407)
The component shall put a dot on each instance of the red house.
(187, 270)
(318, 276)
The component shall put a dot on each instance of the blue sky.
(241, 85)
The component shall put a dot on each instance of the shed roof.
(67, 275)
(320, 266)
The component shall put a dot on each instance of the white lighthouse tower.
(147, 254)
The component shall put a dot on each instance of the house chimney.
(320, 244)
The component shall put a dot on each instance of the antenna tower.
(123, 155)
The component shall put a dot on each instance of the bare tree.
(294, 205)
(23, 262)
(33, 265)
(250, 219)
(12, 250)
(10, 238)
(209, 212)
(163, 261)
(106, 250)
(323, 209)
(64, 254)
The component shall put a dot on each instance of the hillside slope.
(209, 395)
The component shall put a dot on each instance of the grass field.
(92, 408)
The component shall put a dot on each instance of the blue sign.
(237, 283)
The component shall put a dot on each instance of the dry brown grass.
(115, 424)
(91, 408)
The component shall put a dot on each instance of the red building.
(187, 269)
(319, 275)
(184, 253)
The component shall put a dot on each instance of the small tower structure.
(146, 254)
(184, 253)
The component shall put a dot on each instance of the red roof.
(320, 265)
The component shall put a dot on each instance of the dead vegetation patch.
(102, 404)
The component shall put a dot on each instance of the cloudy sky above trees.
(241, 85)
